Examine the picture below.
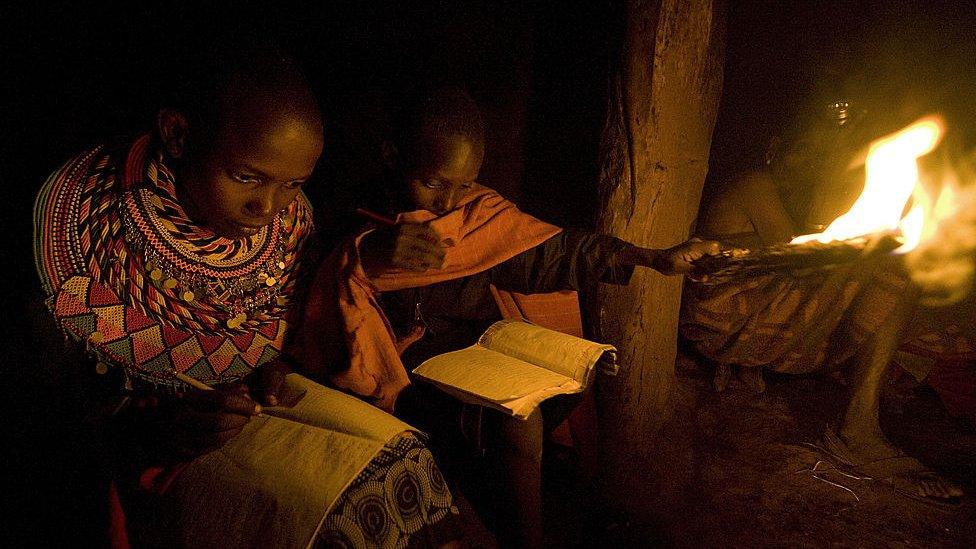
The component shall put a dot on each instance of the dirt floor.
(748, 480)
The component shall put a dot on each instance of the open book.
(324, 441)
(516, 365)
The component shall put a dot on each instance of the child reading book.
(421, 287)
(166, 264)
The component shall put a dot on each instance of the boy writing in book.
(419, 287)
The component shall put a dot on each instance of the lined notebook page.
(489, 374)
(556, 351)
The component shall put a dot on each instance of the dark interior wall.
(575, 51)
(81, 73)
(537, 70)
(77, 73)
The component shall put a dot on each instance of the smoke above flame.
(938, 234)
(943, 262)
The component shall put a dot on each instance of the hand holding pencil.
(173, 428)
(407, 246)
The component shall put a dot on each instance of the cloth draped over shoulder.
(483, 231)
(126, 271)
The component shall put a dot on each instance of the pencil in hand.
(196, 384)
(375, 217)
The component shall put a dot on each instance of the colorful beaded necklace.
(149, 290)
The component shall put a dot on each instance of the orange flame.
(942, 263)
(892, 179)
(938, 235)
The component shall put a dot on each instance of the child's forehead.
(281, 113)
(447, 148)
(281, 145)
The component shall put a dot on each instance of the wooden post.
(664, 99)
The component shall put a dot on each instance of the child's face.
(248, 175)
(445, 175)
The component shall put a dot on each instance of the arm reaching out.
(670, 261)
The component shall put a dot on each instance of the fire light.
(892, 179)
(937, 235)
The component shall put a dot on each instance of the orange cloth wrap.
(482, 232)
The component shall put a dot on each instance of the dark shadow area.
(893, 61)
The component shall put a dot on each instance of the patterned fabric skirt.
(399, 500)
(804, 324)
(788, 324)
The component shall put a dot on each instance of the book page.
(326, 408)
(488, 374)
(561, 353)
(326, 440)
(519, 407)
(522, 407)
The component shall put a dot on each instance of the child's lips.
(242, 229)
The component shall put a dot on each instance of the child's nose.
(260, 205)
(447, 201)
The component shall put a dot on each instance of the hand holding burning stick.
(676, 260)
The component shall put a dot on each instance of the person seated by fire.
(419, 283)
(852, 318)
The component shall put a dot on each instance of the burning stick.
(796, 259)
(874, 226)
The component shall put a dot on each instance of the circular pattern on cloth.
(439, 495)
(405, 492)
(405, 489)
(342, 533)
(372, 516)
(403, 477)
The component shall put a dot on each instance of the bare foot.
(877, 458)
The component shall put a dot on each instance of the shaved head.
(433, 117)
(249, 97)
(439, 144)
(243, 137)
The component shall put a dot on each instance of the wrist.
(645, 257)
(629, 255)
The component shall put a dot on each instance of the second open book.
(515, 365)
